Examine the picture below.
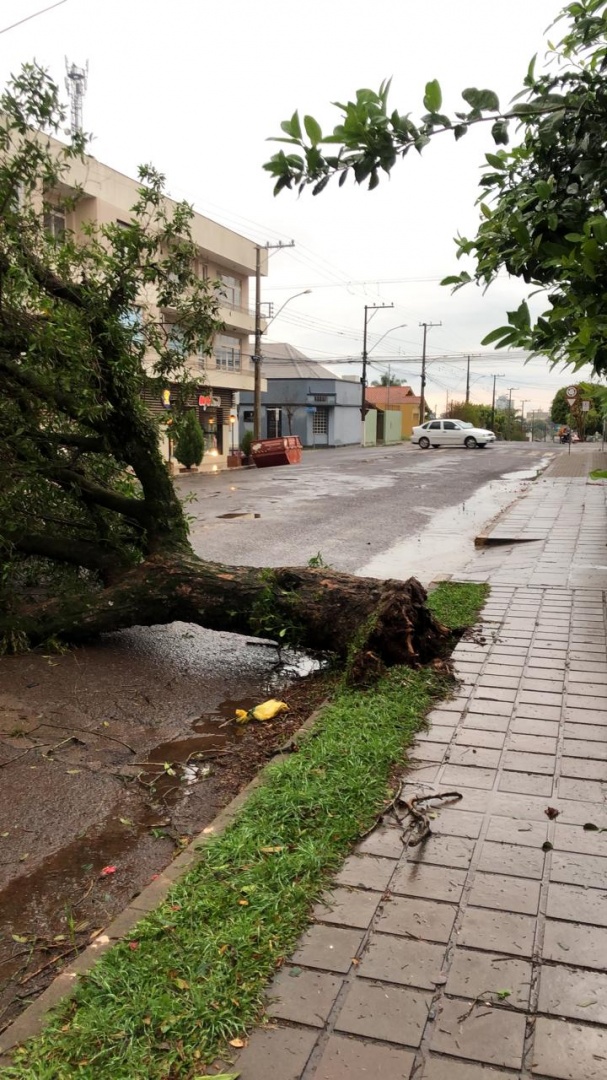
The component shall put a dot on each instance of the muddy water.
(119, 752)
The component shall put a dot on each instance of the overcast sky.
(198, 86)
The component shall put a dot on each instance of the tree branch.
(32, 382)
(64, 549)
(111, 500)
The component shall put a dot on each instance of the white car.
(450, 433)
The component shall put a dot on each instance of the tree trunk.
(371, 623)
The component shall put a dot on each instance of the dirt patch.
(111, 758)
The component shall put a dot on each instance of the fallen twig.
(87, 731)
(477, 1001)
(418, 828)
(55, 960)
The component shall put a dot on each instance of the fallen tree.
(93, 537)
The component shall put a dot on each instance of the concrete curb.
(32, 1020)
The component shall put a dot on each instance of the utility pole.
(363, 381)
(523, 403)
(468, 382)
(532, 423)
(422, 402)
(510, 389)
(495, 378)
(256, 358)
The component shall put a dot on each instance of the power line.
(34, 16)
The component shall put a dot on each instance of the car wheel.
(424, 443)
(470, 442)
(482, 445)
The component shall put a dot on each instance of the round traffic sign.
(571, 391)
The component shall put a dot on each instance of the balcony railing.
(219, 363)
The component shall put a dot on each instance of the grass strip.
(456, 604)
(598, 474)
(191, 977)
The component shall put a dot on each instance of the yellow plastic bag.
(269, 710)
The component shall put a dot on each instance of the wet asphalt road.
(349, 504)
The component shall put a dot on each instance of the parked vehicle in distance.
(451, 433)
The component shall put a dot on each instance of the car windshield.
(463, 423)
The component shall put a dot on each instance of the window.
(54, 222)
(434, 426)
(248, 416)
(175, 339)
(320, 397)
(133, 320)
(231, 290)
(227, 352)
(448, 425)
(320, 422)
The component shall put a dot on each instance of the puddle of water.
(446, 543)
(173, 767)
(528, 474)
(524, 474)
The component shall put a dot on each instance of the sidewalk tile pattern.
(481, 954)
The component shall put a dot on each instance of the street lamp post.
(257, 361)
(366, 352)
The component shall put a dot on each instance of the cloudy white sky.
(198, 86)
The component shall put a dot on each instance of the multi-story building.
(106, 196)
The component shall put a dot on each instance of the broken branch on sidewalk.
(415, 821)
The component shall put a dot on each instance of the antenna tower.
(75, 84)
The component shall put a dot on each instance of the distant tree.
(388, 380)
(585, 423)
(189, 446)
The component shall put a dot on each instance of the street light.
(363, 406)
(288, 301)
(257, 362)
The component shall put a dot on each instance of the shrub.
(189, 448)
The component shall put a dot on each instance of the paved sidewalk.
(482, 954)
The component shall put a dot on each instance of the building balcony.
(232, 376)
(238, 318)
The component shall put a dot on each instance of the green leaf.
(485, 211)
(496, 161)
(495, 335)
(481, 100)
(543, 188)
(313, 130)
(521, 318)
(459, 130)
(499, 131)
(292, 127)
(433, 97)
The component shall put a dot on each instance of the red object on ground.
(285, 451)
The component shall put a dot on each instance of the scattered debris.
(268, 710)
(501, 995)
(551, 812)
(415, 822)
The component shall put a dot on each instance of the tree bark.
(373, 624)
